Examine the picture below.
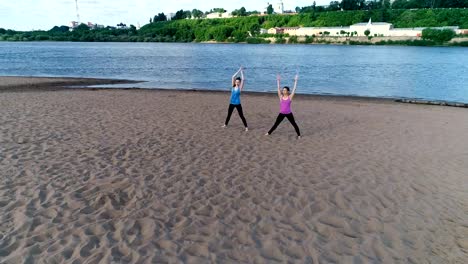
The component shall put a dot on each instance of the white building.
(320, 31)
(379, 29)
(279, 8)
(74, 24)
(219, 15)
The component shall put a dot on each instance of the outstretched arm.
(242, 78)
(234, 76)
(278, 82)
(295, 86)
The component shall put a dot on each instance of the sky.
(44, 14)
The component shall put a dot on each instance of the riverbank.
(150, 176)
(18, 83)
(389, 41)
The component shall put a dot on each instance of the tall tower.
(77, 13)
(280, 7)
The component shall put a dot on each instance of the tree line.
(243, 28)
(378, 4)
(344, 5)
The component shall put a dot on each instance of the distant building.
(279, 8)
(379, 29)
(292, 31)
(219, 15)
(73, 24)
(276, 30)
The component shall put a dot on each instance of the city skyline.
(44, 14)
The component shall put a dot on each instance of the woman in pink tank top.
(285, 106)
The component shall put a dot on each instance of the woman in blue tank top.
(237, 86)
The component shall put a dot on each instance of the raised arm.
(278, 82)
(234, 76)
(295, 86)
(242, 78)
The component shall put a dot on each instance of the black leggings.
(239, 110)
(291, 120)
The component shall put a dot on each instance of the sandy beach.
(149, 176)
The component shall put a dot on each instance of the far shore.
(328, 40)
(22, 83)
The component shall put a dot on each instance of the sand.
(140, 176)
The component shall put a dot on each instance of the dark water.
(437, 73)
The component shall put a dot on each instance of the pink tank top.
(285, 106)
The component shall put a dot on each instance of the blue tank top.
(235, 96)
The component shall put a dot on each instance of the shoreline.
(460, 42)
(32, 83)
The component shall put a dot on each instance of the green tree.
(437, 35)
(221, 33)
(179, 15)
(386, 4)
(367, 32)
(81, 28)
(197, 13)
(270, 9)
(239, 36)
(160, 17)
(239, 12)
(41, 37)
(352, 4)
(61, 29)
(218, 10)
(132, 30)
(242, 11)
(333, 6)
(255, 12)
